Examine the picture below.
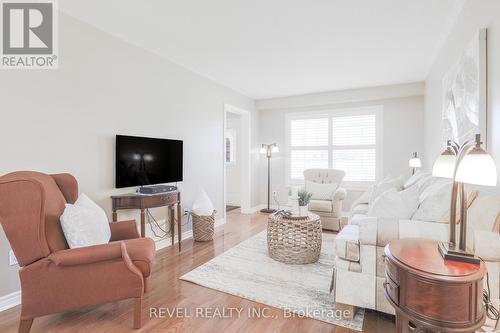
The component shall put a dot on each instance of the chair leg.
(25, 325)
(137, 312)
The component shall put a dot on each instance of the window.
(347, 139)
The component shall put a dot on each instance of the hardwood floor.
(167, 291)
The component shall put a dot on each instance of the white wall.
(65, 120)
(233, 170)
(402, 127)
(475, 15)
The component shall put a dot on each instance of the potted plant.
(304, 198)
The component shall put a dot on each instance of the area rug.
(245, 270)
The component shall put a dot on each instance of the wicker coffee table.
(294, 240)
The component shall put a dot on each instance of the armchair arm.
(87, 255)
(339, 194)
(123, 230)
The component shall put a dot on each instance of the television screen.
(147, 161)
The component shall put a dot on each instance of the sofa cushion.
(423, 229)
(364, 198)
(392, 203)
(320, 205)
(384, 185)
(417, 177)
(321, 191)
(347, 243)
(434, 202)
(484, 212)
(360, 208)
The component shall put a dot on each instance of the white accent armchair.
(328, 208)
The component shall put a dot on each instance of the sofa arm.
(339, 194)
(380, 231)
(87, 255)
(123, 230)
(424, 229)
(487, 245)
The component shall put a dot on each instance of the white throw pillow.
(85, 223)
(384, 185)
(364, 198)
(321, 191)
(434, 202)
(414, 179)
(396, 204)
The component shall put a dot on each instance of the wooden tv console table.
(143, 202)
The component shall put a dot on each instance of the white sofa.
(329, 209)
(359, 265)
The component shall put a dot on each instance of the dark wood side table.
(143, 202)
(430, 294)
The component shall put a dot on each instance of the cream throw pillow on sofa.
(384, 185)
(321, 191)
(395, 204)
(85, 223)
(416, 178)
(434, 202)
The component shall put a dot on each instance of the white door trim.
(245, 156)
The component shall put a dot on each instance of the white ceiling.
(270, 48)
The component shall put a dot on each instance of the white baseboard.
(10, 300)
(166, 242)
(255, 209)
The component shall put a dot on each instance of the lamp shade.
(263, 150)
(478, 169)
(444, 166)
(275, 149)
(415, 162)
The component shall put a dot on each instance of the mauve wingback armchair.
(53, 277)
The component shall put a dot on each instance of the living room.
(344, 110)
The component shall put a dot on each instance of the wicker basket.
(294, 240)
(203, 227)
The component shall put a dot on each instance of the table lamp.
(414, 163)
(471, 164)
(268, 149)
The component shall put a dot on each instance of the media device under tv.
(148, 161)
(156, 189)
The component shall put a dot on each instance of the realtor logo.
(28, 35)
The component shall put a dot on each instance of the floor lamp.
(268, 149)
(466, 163)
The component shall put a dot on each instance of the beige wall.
(402, 127)
(475, 15)
(65, 120)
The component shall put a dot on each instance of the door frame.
(245, 139)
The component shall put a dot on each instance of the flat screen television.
(147, 161)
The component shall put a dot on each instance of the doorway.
(236, 159)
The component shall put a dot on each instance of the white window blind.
(354, 146)
(345, 140)
(309, 132)
(353, 130)
(309, 145)
(307, 159)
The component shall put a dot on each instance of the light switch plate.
(12, 258)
